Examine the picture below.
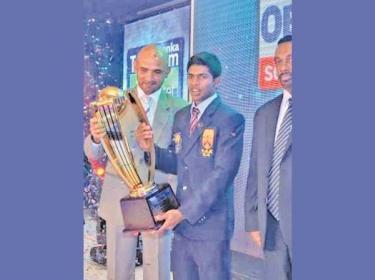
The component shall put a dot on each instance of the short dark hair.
(287, 38)
(207, 59)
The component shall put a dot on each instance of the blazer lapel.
(271, 124)
(204, 122)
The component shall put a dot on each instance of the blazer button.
(186, 167)
(184, 188)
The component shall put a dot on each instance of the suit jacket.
(205, 168)
(265, 122)
(113, 188)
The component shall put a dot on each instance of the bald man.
(151, 67)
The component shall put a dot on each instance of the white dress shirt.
(283, 108)
(149, 102)
(203, 105)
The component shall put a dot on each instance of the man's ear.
(217, 81)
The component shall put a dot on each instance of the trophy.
(120, 115)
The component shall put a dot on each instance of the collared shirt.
(203, 105)
(149, 102)
(283, 108)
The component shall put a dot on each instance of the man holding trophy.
(151, 67)
(205, 153)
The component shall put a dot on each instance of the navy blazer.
(206, 164)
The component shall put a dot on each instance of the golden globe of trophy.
(120, 114)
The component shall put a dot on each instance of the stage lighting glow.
(100, 171)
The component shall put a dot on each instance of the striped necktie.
(278, 153)
(194, 119)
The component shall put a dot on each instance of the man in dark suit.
(268, 201)
(205, 154)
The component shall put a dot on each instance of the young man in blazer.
(205, 153)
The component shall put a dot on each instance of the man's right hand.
(97, 130)
(255, 237)
(144, 136)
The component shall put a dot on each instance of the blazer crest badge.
(208, 140)
(177, 139)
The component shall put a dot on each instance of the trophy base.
(139, 213)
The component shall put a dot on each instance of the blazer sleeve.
(251, 194)
(227, 161)
(166, 159)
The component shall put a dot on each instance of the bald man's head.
(151, 67)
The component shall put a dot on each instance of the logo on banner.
(275, 23)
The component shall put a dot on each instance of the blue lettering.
(287, 26)
(270, 36)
